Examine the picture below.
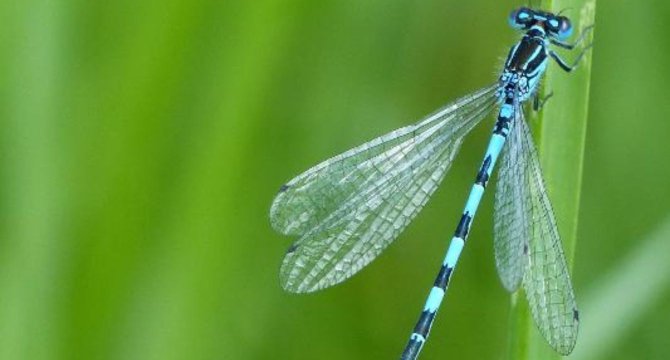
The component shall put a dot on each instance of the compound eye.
(521, 18)
(553, 24)
(564, 29)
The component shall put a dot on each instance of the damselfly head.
(555, 25)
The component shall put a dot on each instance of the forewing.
(305, 202)
(512, 219)
(547, 282)
(349, 208)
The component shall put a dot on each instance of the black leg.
(538, 103)
(581, 38)
(564, 65)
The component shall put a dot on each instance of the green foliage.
(612, 310)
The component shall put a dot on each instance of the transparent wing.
(347, 209)
(546, 281)
(513, 219)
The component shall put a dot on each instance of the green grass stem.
(560, 131)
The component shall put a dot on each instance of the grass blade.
(560, 130)
(611, 309)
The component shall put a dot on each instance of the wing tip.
(282, 217)
(295, 288)
(566, 348)
(288, 287)
(277, 221)
(510, 286)
(289, 273)
(566, 341)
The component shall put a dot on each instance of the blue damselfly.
(349, 208)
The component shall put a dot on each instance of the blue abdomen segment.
(438, 291)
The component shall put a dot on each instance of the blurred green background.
(143, 141)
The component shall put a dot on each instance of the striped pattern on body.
(425, 322)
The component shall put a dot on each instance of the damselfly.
(349, 208)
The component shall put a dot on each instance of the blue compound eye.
(521, 18)
(553, 24)
(564, 28)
